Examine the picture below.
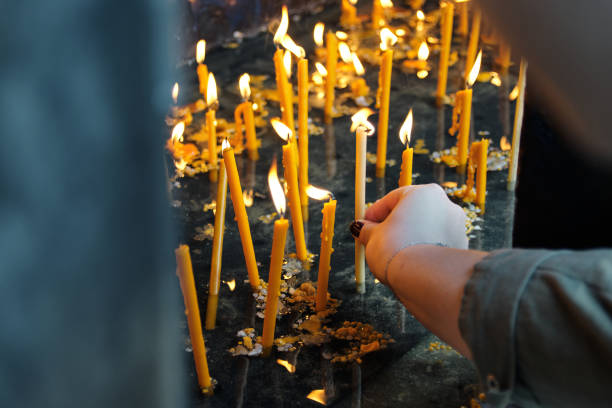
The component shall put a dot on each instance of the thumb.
(362, 230)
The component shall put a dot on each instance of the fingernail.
(356, 228)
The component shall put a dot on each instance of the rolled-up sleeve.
(539, 324)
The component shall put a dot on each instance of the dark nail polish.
(356, 228)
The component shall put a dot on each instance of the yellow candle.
(405, 132)
(184, 272)
(282, 83)
(349, 14)
(481, 178)
(384, 86)
(446, 27)
(246, 110)
(202, 69)
(377, 14)
(473, 44)
(330, 81)
(518, 123)
(217, 249)
(463, 18)
(274, 280)
(303, 132)
(290, 165)
(363, 128)
(327, 236)
(359, 88)
(240, 214)
(464, 99)
(212, 144)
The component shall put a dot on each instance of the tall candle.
(377, 14)
(473, 43)
(327, 236)
(211, 126)
(217, 249)
(240, 214)
(446, 28)
(202, 69)
(349, 14)
(363, 128)
(290, 165)
(464, 100)
(282, 83)
(387, 39)
(518, 124)
(184, 272)
(276, 261)
(463, 18)
(303, 133)
(330, 81)
(481, 174)
(245, 109)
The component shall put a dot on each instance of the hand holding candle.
(364, 129)
(276, 260)
(404, 135)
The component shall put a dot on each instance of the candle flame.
(386, 3)
(177, 132)
(276, 190)
(400, 32)
(345, 52)
(211, 90)
(341, 35)
(361, 119)
(225, 145)
(420, 15)
(387, 39)
(359, 70)
(231, 285)
(318, 396)
(423, 52)
(321, 68)
(281, 129)
(290, 367)
(282, 27)
(317, 193)
(180, 164)
(243, 85)
(200, 51)
(317, 34)
(504, 144)
(406, 130)
(475, 69)
(287, 63)
(317, 79)
(290, 45)
(422, 74)
(514, 94)
(175, 92)
(247, 197)
(495, 79)
(353, 2)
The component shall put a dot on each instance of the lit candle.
(202, 69)
(211, 126)
(518, 123)
(291, 178)
(387, 39)
(404, 135)
(217, 249)
(421, 63)
(446, 28)
(184, 272)
(181, 151)
(481, 174)
(364, 129)
(463, 106)
(349, 13)
(317, 35)
(282, 81)
(330, 81)
(473, 44)
(327, 237)
(276, 261)
(303, 132)
(358, 86)
(175, 93)
(240, 213)
(245, 110)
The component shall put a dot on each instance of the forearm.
(430, 280)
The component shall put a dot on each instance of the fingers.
(362, 230)
(378, 211)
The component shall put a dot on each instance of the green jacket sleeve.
(539, 324)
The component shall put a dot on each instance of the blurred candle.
(503, 59)
(211, 126)
(291, 178)
(349, 13)
(276, 261)
(282, 81)
(240, 213)
(464, 101)
(303, 132)
(446, 29)
(473, 43)
(245, 110)
(377, 14)
(202, 69)
(404, 135)
(217, 249)
(330, 81)
(518, 123)
(184, 272)
(463, 18)
(387, 39)
(364, 129)
(481, 174)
